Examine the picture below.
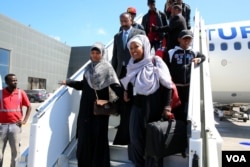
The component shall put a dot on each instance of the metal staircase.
(52, 133)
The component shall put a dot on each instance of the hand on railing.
(63, 82)
(196, 60)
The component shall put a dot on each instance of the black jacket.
(121, 54)
(161, 21)
(135, 25)
(186, 12)
(179, 63)
(176, 25)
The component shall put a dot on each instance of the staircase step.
(111, 133)
(119, 153)
(176, 161)
(114, 120)
(171, 161)
(73, 163)
(121, 164)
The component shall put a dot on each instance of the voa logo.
(236, 158)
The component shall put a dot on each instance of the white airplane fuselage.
(229, 59)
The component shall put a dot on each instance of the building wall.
(33, 54)
(78, 57)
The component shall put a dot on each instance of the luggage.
(164, 138)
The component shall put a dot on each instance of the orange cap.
(131, 10)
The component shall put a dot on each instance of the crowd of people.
(143, 82)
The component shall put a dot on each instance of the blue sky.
(82, 22)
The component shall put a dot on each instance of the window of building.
(223, 46)
(211, 47)
(4, 64)
(36, 83)
(237, 46)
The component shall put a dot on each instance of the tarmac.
(233, 132)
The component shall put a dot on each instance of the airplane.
(229, 45)
(226, 43)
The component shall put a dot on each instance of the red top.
(11, 105)
(152, 21)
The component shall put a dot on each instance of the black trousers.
(180, 112)
(137, 128)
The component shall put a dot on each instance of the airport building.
(39, 61)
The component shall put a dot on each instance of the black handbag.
(106, 107)
(165, 138)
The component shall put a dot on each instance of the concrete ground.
(233, 132)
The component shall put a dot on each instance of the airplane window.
(211, 47)
(248, 45)
(223, 46)
(237, 45)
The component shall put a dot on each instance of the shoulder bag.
(106, 107)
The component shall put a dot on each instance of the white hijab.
(147, 74)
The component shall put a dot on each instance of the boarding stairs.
(52, 140)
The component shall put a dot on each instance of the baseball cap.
(131, 10)
(185, 33)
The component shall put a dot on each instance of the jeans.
(11, 133)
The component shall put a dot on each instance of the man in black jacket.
(176, 25)
(186, 12)
(120, 59)
(154, 17)
(132, 12)
(121, 53)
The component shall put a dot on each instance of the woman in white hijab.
(151, 95)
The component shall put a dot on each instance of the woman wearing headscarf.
(92, 130)
(151, 94)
